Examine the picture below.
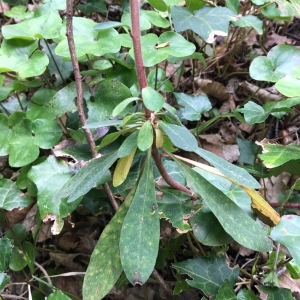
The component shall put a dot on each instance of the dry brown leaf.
(276, 185)
(17, 215)
(44, 232)
(263, 95)
(273, 39)
(213, 88)
(286, 281)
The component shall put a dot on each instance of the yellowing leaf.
(122, 168)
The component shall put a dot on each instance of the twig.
(162, 283)
(44, 272)
(88, 133)
(168, 179)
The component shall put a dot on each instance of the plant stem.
(168, 179)
(88, 133)
(136, 39)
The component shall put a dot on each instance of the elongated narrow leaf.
(92, 174)
(121, 106)
(179, 136)
(128, 145)
(140, 232)
(122, 168)
(145, 136)
(234, 220)
(105, 265)
(241, 176)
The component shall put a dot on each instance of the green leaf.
(49, 176)
(226, 292)
(208, 273)
(93, 6)
(129, 144)
(21, 56)
(107, 25)
(22, 256)
(253, 113)
(175, 45)
(44, 27)
(246, 295)
(180, 136)
(208, 230)
(158, 4)
(280, 61)
(58, 295)
(275, 155)
(145, 136)
(63, 101)
(47, 133)
(248, 151)
(5, 250)
(11, 197)
(194, 106)
(89, 41)
(139, 240)
(250, 21)
(105, 265)
(174, 207)
(109, 94)
(157, 78)
(236, 173)
(19, 12)
(233, 5)
(105, 123)
(234, 220)
(289, 86)
(275, 293)
(287, 233)
(152, 99)
(4, 279)
(207, 22)
(4, 136)
(121, 106)
(94, 173)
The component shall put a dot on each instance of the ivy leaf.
(44, 27)
(287, 233)
(289, 86)
(6, 250)
(22, 148)
(194, 106)
(280, 61)
(253, 113)
(22, 57)
(88, 40)
(174, 207)
(105, 264)
(4, 136)
(108, 95)
(171, 43)
(139, 240)
(208, 273)
(207, 22)
(19, 12)
(275, 293)
(250, 21)
(49, 176)
(246, 295)
(276, 155)
(226, 292)
(11, 197)
(234, 220)
(180, 136)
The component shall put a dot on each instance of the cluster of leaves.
(133, 128)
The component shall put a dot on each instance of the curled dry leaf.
(213, 88)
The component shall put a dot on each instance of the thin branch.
(136, 40)
(88, 133)
(168, 179)
(161, 282)
(44, 272)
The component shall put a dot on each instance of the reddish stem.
(136, 39)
